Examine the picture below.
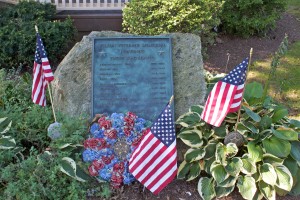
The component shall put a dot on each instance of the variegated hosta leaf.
(295, 150)
(249, 166)
(221, 153)
(207, 133)
(7, 142)
(284, 177)
(269, 158)
(291, 164)
(229, 182)
(231, 150)
(251, 127)
(267, 190)
(192, 138)
(277, 147)
(188, 119)
(206, 188)
(258, 195)
(252, 114)
(279, 113)
(197, 109)
(193, 154)
(223, 191)
(241, 128)
(280, 191)
(183, 169)
(246, 186)
(208, 163)
(234, 166)
(210, 149)
(68, 166)
(255, 151)
(295, 123)
(296, 188)
(220, 132)
(7, 127)
(265, 122)
(219, 173)
(195, 171)
(268, 174)
(285, 133)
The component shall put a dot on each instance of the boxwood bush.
(251, 17)
(152, 17)
(17, 33)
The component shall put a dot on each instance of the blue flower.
(105, 173)
(117, 120)
(89, 155)
(94, 127)
(128, 178)
(130, 139)
(98, 134)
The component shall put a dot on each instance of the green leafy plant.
(260, 156)
(17, 34)
(260, 167)
(251, 17)
(151, 17)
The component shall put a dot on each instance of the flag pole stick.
(49, 89)
(228, 56)
(239, 113)
(171, 100)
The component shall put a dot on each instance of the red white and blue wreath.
(111, 143)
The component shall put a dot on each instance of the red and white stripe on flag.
(154, 161)
(42, 74)
(223, 99)
(226, 96)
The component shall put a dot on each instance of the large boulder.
(72, 83)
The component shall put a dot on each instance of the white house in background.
(88, 15)
(82, 4)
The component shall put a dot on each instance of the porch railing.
(83, 4)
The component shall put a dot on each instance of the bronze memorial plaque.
(132, 74)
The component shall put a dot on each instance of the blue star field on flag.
(164, 128)
(237, 76)
(40, 50)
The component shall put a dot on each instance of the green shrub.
(152, 17)
(251, 17)
(18, 38)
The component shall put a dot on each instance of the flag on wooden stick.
(154, 161)
(226, 96)
(42, 73)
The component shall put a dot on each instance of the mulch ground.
(238, 48)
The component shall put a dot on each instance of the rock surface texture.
(72, 84)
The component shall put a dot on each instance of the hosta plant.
(266, 163)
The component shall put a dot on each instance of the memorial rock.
(72, 84)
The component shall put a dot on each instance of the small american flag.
(154, 161)
(226, 96)
(42, 73)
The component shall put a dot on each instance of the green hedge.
(152, 17)
(18, 38)
(251, 17)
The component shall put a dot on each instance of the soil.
(238, 48)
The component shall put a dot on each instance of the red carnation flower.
(103, 123)
(95, 143)
(119, 167)
(111, 134)
(98, 164)
(127, 130)
(93, 171)
(131, 115)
